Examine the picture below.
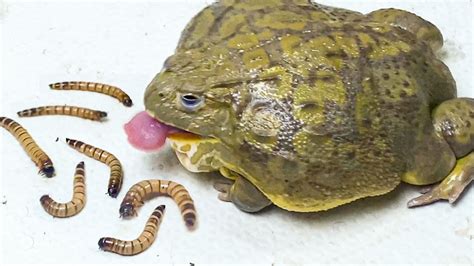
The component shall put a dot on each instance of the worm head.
(113, 191)
(48, 171)
(102, 114)
(103, 242)
(126, 210)
(128, 102)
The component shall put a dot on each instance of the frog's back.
(267, 19)
(345, 99)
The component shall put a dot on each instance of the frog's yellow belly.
(198, 154)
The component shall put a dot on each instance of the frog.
(309, 107)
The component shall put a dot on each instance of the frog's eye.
(191, 102)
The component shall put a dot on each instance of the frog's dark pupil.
(190, 99)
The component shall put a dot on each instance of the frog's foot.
(242, 193)
(452, 186)
(223, 186)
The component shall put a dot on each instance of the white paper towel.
(125, 44)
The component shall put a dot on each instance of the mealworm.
(140, 244)
(116, 173)
(39, 157)
(73, 207)
(94, 87)
(64, 110)
(135, 195)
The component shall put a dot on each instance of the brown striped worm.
(39, 157)
(64, 110)
(73, 207)
(94, 87)
(146, 188)
(116, 173)
(140, 244)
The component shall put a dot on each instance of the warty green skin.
(315, 106)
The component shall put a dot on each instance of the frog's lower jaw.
(194, 154)
(197, 155)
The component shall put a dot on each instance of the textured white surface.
(125, 44)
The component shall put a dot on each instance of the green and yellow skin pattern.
(310, 107)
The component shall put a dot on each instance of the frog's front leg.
(454, 121)
(241, 192)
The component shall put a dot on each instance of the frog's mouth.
(145, 132)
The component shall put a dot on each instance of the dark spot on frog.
(406, 84)
(333, 54)
(386, 76)
(403, 94)
(468, 124)
(350, 155)
(367, 122)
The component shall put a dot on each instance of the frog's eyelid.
(180, 67)
(231, 83)
(228, 83)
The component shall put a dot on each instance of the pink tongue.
(146, 133)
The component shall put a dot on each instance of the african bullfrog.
(310, 107)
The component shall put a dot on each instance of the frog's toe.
(451, 187)
(426, 189)
(428, 196)
(424, 199)
(223, 186)
(242, 193)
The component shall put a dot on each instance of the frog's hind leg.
(454, 121)
(422, 29)
(452, 186)
(241, 192)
